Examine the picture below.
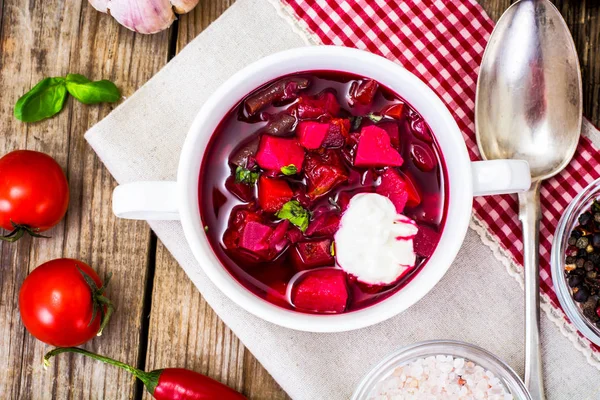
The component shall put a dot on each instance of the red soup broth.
(224, 203)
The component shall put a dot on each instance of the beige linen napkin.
(477, 301)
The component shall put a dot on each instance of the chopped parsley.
(244, 175)
(295, 213)
(289, 170)
(375, 117)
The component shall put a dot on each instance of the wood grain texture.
(184, 331)
(52, 38)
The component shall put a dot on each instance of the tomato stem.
(19, 231)
(110, 308)
(99, 300)
(150, 379)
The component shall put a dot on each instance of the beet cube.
(375, 149)
(313, 254)
(363, 92)
(324, 171)
(324, 224)
(278, 240)
(311, 134)
(393, 111)
(273, 193)
(339, 130)
(393, 187)
(325, 103)
(241, 190)
(391, 127)
(321, 291)
(275, 153)
(414, 197)
(294, 234)
(426, 241)
(254, 237)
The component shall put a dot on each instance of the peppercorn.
(580, 262)
(576, 234)
(589, 309)
(585, 218)
(575, 280)
(596, 240)
(572, 240)
(597, 217)
(588, 265)
(582, 253)
(570, 260)
(592, 274)
(582, 242)
(595, 258)
(581, 294)
(589, 249)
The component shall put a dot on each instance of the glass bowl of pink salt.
(441, 370)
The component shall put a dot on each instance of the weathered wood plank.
(184, 331)
(583, 19)
(51, 38)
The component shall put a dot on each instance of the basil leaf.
(244, 175)
(44, 100)
(289, 170)
(374, 117)
(89, 92)
(295, 213)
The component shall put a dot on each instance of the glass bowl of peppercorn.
(576, 261)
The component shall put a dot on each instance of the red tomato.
(34, 193)
(56, 303)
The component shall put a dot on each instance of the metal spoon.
(529, 107)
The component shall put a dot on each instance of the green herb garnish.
(355, 122)
(47, 98)
(374, 117)
(289, 170)
(295, 213)
(244, 175)
(89, 92)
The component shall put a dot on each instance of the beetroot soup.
(323, 192)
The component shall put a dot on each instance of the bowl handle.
(152, 200)
(500, 177)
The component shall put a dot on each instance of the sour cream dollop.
(373, 242)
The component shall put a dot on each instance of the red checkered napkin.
(442, 42)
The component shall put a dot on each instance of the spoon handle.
(530, 215)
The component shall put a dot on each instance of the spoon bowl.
(529, 106)
(529, 98)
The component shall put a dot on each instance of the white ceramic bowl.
(179, 200)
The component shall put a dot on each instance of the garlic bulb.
(144, 16)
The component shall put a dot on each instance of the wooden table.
(161, 320)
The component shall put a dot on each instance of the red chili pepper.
(165, 384)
